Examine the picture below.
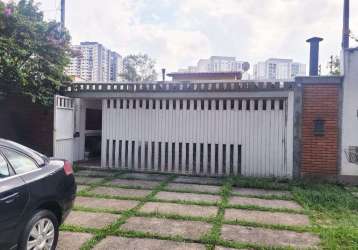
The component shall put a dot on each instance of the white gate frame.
(64, 127)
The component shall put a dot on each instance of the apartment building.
(278, 69)
(94, 62)
(218, 64)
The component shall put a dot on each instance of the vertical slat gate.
(197, 136)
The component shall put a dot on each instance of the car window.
(20, 163)
(38, 157)
(4, 168)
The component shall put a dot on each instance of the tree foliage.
(139, 68)
(334, 66)
(33, 52)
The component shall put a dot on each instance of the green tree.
(139, 68)
(334, 65)
(33, 52)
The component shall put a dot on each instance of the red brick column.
(320, 129)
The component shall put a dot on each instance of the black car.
(36, 195)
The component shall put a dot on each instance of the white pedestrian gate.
(217, 136)
(64, 116)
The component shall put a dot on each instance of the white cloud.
(178, 33)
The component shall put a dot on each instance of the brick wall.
(27, 123)
(320, 151)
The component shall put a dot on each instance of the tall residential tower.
(95, 63)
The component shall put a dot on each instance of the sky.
(177, 33)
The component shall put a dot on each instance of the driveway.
(154, 211)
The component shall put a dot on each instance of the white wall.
(350, 109)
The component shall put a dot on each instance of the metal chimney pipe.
(314, 54)
(163, 74)
(63, 14)
(345, 38)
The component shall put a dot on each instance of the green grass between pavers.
(334, 212)
(190, 191)
(213, 237)
(96, 210)
(186, 202)
(263, 183)
(267, 209)
(332, 209)
(175, 217)
(114, 227)
(299, 229)
(114, 197)
(265, 197)
(128, 186)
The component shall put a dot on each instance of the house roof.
(207, 74)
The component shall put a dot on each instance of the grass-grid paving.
(338, 237)
(216, 228)
(113, 228)
(72, 240)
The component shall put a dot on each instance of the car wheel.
(41, 232)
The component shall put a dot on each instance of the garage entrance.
(197, 136)
(210, 129)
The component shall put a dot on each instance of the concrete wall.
(349, 109)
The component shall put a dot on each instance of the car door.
(13, 199)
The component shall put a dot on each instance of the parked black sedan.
(36, 195)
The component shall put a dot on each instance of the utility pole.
(346, 31)
(62, 14)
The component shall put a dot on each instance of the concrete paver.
(236, 200)
(88, 180)
(267, 217)
(145, 176)
(114, 204)
(73, 241)
(122, 192)
(165, 227)
(269, 237)
(94, 173)
(120, 243)
(225, 248)
(260, 192)
(179, 209)
(193, 187)
(90, 220)
(199, 180)
(135, 183)
(172, 196)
